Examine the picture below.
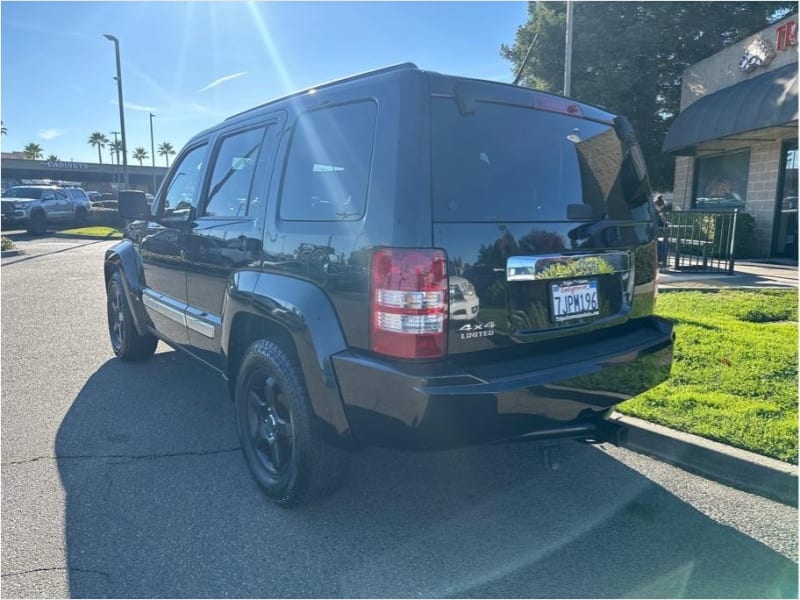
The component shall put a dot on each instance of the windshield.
(24, 192)
(511, 163)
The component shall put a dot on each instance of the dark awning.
(764, 101)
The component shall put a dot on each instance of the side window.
(232, 179)
(184, 186)
(328, 167)
(61, 194)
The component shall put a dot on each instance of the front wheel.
(37, 224)
(126, 341)
(285, 452)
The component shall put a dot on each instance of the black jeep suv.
(400, 258)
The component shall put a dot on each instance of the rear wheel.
(285, 452)
(126, 341)
(37, 224)
(80, 217)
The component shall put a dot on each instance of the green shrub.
(108, 217)
(6, 244)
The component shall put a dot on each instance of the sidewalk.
(731, 466)
(747, 275)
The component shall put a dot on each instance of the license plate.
(575, 300)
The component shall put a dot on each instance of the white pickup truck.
(35, 207)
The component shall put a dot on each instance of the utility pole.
(568, 51)
(153, 153)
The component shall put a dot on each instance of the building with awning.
(15, 170)
(735, 138)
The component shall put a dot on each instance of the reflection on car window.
(328, 166)
(184, 186)
(229, 191)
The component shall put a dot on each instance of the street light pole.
(116, 151)
(153, 153)
(121, 108)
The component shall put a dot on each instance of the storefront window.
(722, 181)
(786, 223)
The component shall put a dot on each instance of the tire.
(81, 217)
(37, 224)
(285, 452)
(126, 341)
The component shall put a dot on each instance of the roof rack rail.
(398, 67)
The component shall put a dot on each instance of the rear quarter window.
(327, 171)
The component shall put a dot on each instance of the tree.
(140, 154)
(3, 129)
(165, 149)
(100, 140)
(116, 148)
(628, 57)
(32, 151)
(52, 158)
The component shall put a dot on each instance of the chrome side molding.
(559, 266)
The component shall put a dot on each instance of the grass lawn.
(95, 231)
(734, 376)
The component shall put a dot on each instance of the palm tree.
(52, 158)
(165, 149)
(100, 140)
(32, 151)
(140, 154)
(116, 148)
(3, 129)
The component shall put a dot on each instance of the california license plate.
(575, 299)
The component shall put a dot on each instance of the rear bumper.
(563, 393)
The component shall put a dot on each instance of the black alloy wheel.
(126, 341)
(281, 442)
(269, 423)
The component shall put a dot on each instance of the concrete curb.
(740, 288)
(737, 468)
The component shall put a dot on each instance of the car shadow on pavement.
(159, 504)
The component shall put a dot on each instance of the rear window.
(511, 163)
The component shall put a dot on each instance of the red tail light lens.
(408, 308)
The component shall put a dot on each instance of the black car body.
(328, 228)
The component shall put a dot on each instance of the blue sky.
(194, 63)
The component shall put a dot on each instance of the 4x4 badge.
(477, 327)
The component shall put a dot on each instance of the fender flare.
(304, 312)
(123, 257)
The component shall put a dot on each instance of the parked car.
(474, 262)
(36, 207)
(94, 196)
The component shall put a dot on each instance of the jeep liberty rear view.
(402, 259)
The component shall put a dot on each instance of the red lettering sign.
(786, 35)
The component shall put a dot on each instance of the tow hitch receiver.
(611, 432)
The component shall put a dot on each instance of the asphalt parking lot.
(123, 480)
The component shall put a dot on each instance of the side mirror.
(132, 205)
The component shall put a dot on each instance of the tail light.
(408, 307)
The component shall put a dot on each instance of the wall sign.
(65, 165)
(758, 54)
(786, 35)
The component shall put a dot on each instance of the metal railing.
(698, 241)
